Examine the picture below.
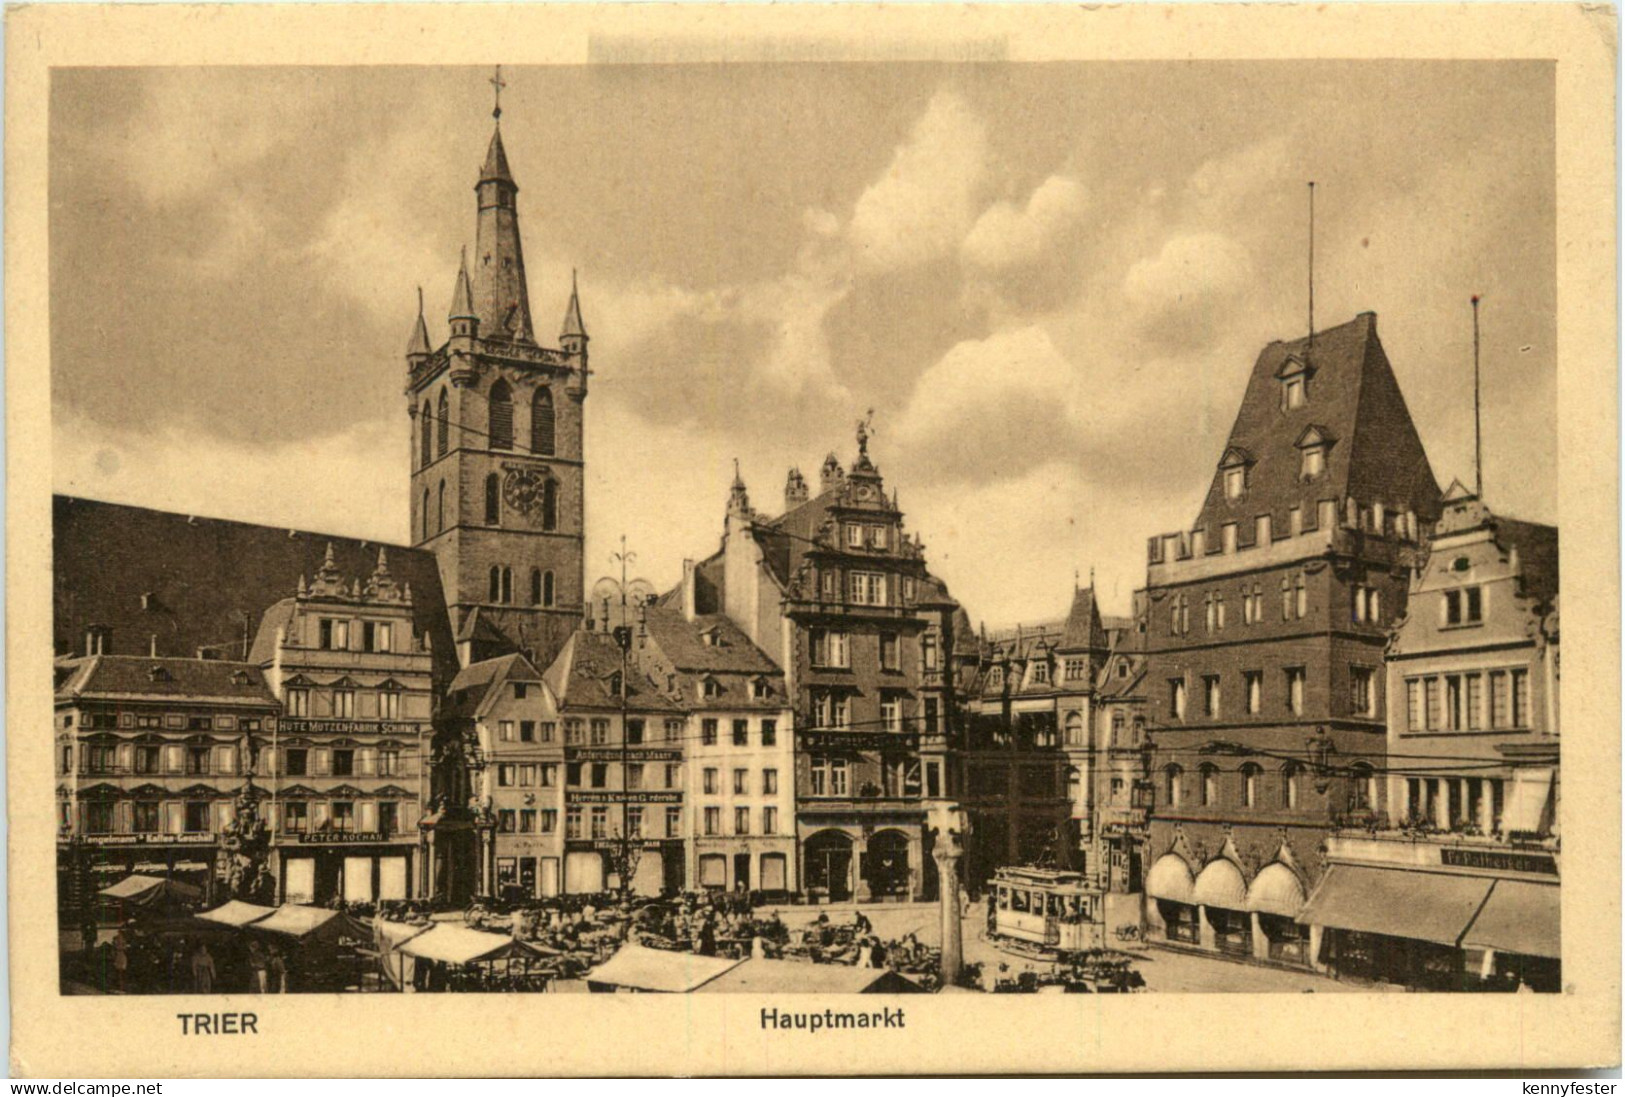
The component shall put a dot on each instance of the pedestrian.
(121, 957)
(256, 964)
(277, 968)
(203, 969)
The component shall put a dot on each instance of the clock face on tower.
(864, 491)
(522, 490)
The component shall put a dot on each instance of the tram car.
(1045, 912)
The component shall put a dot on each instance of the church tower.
(497, 456)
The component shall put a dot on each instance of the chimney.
(690, 595)
(98, 640)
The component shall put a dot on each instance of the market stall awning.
(394, 934)
(146, 890)
(449, 944)
(637, 968)
(792, 977)
(310, 923)
(236, 913)
(1520, 917)
(1421, 906)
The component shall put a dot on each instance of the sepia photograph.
(806, 526)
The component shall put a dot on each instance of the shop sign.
(615, 754)
(149, 839)
(859, 740)
(343, 837)
(613, 845)
(348, 727)
(1498, 860)
(623, 797)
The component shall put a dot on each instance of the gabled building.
(624, 802)
(347, 769)
(738, 749)
(1454, 883)
(836, 592)
(1265, 627)
(151, 756)
(502, 708)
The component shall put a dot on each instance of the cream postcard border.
(362, 1035)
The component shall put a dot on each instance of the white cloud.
(924, 204)
(1187, 273)
(1007, 235)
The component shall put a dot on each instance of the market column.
(947, 854)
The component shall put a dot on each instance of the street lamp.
(639, 593)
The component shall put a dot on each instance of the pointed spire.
(495, 168)
(573, 327)
(462, 298)
(418, 347)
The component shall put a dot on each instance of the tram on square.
(1046, 912)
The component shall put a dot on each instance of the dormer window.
(1233, 470)
(1041, 673)
(159, 674)
(758, 689)
(709, 688)
(1294, 376)
(1313, 445)
(710, 637)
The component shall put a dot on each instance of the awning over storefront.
(1520, 917)
(637, 968)
(1276, 890)
(237, 913)
(1421, 906)
(450, 944)
(1170, 878)
(1220, 885)
(791, 977)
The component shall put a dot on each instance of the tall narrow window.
(500, 432)
(535, 586)
(496, 584)
(425, 513)
(507, 585)
(1210, 786)
(1249, 785)
(550, 504)
(547, 588)
(493, 499)
(541, 422)
(1289, 785)
(428, 427)
(440, 509)
(442, 422)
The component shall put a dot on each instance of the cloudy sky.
(1048, 281)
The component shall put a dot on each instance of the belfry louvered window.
(541, 423)
(501, 430)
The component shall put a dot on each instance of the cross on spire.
(498, 84)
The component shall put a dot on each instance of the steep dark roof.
(278, 616)
(1537, 554)
(190, 580)
(683, 643)
(143, 676)
(1375, 455)
(580, 677)
(1084, 630)
(469, 689)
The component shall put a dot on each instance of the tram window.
(1057, 906)
(1004, 898)
(1019, 902)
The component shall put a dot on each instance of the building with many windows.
(151, 753)
(348, 769)
(739, 749)
(1455, 883)
(837, 593)
(623, 745)
(1265, 628)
